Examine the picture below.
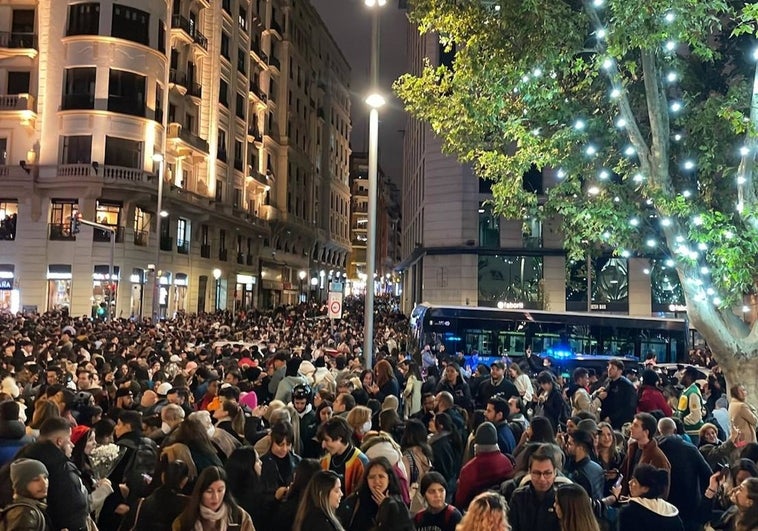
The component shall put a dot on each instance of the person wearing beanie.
(650, 397)
(27, 511)
(489, 466)
(13, 435)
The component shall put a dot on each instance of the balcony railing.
(120, 173)
(194, 90)
(141, 238)
(274, 62)
(182, 246)
(223, 254)
(61, 232)
(179, 22)
(205, 251)
(167, 243)
(18, 39)
(177, 131)
(177, 77)
(255, 134)
(17, 102)
(241, 258)
(276, 27)
(99, 235)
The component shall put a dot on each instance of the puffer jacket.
(26, 514)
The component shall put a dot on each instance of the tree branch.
(746, 190)
(657, 110)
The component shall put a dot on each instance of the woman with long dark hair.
(212, 506)
(447, 451)
(319, 503)
(243, 470)
(287, 510)
(417, 459)
(609, 455)
(160, 509)
(386, 384)
(359, 510)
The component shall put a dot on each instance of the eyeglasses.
(547, 474)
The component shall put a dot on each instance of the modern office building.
(455, 251)
(238, 108)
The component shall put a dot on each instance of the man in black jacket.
(619, 396)
(690, 474)
(532, 504)
(496, 384)
(67, 501)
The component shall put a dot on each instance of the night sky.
(349, 22)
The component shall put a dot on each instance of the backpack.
(5, 526)
(138, 473)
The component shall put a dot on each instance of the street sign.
(334, 305)
(335, 286)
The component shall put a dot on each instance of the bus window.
(658, 346)
(477, 340)
(511, 343)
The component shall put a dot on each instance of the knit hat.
(9, 410)
(486, 434)
(23, 471)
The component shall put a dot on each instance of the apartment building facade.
(102, 101)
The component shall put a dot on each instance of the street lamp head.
(217, 273)
(375, 100)
(164, 214)
(302, 275)
(375, 3)
(158, 157)
(314, 281)
(322, 273)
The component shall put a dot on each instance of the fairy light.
(671, 77)
(625, 254)
(677, 137)
(607, 63)
(697, 220)
(561, 173)
(600, 33)
(620, 123)
(579, 125)
(666, 222)
(702, 246)
(670, 46)
(676, 106)
(744, 151)
(604, 175)
(669, 17)
(593, 190)
(688, 164)
(615, 93)
(591, 150)
(704, 270)
(686, 194)
(651, 242)
(634, 222)
(638, 177)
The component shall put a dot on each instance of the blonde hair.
(358, 416)
(486, 512)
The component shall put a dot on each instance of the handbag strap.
(136, 515)
(414, 468)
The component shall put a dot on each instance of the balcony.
(141, 238)
(167, 243)
(205, 251)
(223, 254)
(182, 246)
(84, 101)
(249, 259)
(195, 92)
(60, 232)
(178, 134)
(121, 176)
(17, 102)
(256, 91)
(275, 27)
(186, 31)
(241, 258)
(253, 135)
(274, 62)
(177, 80)
(18, 43)
(99, 235)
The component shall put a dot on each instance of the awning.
(180, 279)
(7, 270)
(59, 272)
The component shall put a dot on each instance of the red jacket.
(485, 470)
(650, 399)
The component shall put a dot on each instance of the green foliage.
(532, 84)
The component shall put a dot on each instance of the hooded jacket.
(646, 513)
(26, 514)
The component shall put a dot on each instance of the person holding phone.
(646, 508)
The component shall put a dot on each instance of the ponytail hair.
(236, 415)
(655, 479)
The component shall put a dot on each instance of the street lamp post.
(301, 275)
(217, 277)
(159, 211)
(375, 101)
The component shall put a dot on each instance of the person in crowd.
(342, 456)
(417, 460)
(412, 388)
(386, 383)
(643, 449)
(444, 403)
(447, 450)
(487, 511)
(522, 382)
(690, 473)
(287, 509)
(488, 468)
(650, 397)
(277, 470)
(171, 416)
(496, 384)
(452, 382)
(540, 430)
(68, 500)
(691, 407)
(742, 415)
(230, 418)
(292, 378)
(618, 396)
(532, 504)
(12, 431)
(27, 511)
(43, 410)
(573, 508)
(609, 455)
(647, 507)
(243, 471)
(360, 421)
(358, 512)
(158, 511)
(550, 399)
(319, 504)
(580, 396)
(436, 514)
(721, 414)
(709, 434)
(497, 412)
(581, 468)
(212, 506)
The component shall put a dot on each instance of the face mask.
(366, 426)
(165, 428)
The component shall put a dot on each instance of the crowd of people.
(274, 421)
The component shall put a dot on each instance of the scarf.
(213, 517)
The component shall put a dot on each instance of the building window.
(226, 5)
(83, 19)
(3, 151)
(222, 240)
(141, 227)
(225, 46)
(242, 18)
(61, 211)
(108, 213)
(182, 236)
(77, 149)
(532, 233)
(223, 93)
(489, 227)
(221, 146)
(161, 36)
(240, 106)
(8, 218)
(18, 82)
(219, 190)
(79, 88)
(126, 93)
(123, 152)
(131, 24)
(237, 197)
(510, 280)
(666, 290)
(239, 160)
(242, 61)
(609, 285)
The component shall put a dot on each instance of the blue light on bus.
(559, 353)
(452, 338)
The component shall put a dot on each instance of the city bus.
(485, 334)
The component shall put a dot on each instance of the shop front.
(59, 283)
(181, 283)
(137, 280)
(243, 292)
(104, 290)
(272, 285)
(9, 296)
(164, 294)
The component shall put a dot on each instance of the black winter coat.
(530, 513)
(158, 511)
(690, 475)
(635, 517)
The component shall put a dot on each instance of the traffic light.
(75, 217)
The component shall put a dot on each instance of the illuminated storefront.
(59, 282)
